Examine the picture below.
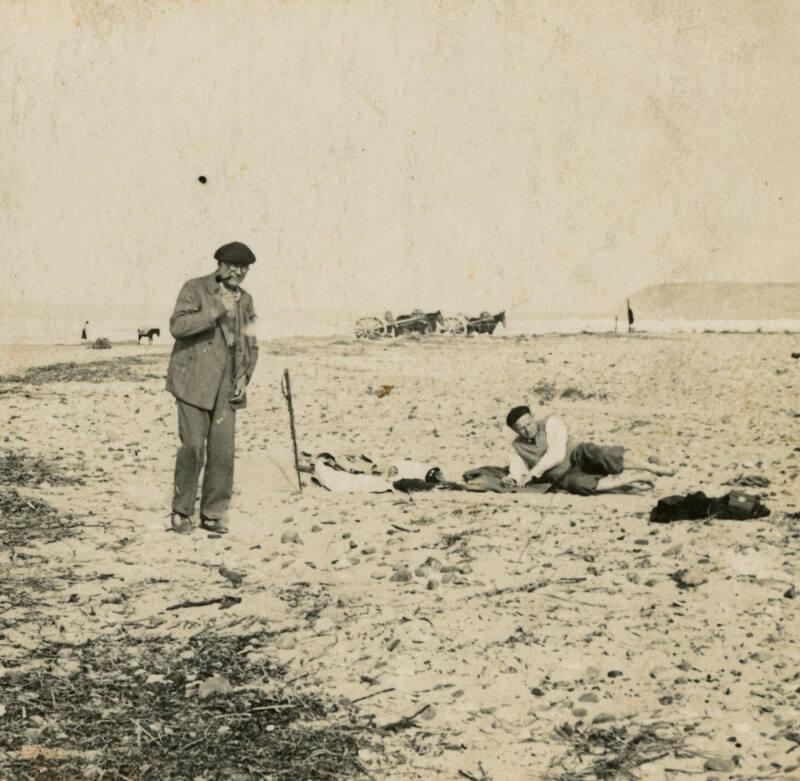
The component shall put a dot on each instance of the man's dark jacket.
(198, 356)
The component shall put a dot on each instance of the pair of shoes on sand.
(183, 524)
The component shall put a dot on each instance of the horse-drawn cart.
(484, 323)
(417, 322)
(420, 322)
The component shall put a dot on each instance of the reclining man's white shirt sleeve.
(556, 447)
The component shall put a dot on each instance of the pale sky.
(384, 155)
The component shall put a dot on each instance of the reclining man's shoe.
(215, 525)
(182, 524)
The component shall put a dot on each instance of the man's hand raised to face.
(227, 298)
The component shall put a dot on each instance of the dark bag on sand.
(735, 506)
(433, 479)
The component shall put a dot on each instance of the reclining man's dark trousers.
(206, 436)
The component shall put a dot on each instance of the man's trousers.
(206, 436)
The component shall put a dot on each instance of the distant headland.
(718, 301)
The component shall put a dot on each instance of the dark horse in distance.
(485, 323)
(148, 333)
(418, 322)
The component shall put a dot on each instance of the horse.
(420, 322)
(485, 323)
(148, 333)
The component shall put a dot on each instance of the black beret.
(516, 413)
(235, 253)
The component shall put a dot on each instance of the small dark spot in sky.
(202, 179)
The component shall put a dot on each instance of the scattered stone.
(579, 712)
(719, 765)
(66, 667)
(286, 642)
(589, 697)
(603, 718)
(614, 673)
(214, 686)
(402, 575)
(316, 528)
(790, 592)
(235, 578)
(432, 585)
(689, 578)
(290, 537)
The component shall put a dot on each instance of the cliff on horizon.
(718, 301)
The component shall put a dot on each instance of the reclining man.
(544, 453)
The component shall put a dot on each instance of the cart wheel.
(455, 325)
(369, 328)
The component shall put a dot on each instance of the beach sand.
(538, 611)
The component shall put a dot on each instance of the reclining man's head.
(520, 421)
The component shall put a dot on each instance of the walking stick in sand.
(286, 388)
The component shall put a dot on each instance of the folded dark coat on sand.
(735, 506)
(490, 478)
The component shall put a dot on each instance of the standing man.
(211, 365)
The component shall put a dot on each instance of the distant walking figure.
(630, 317)
(212, 362)
(84, 335)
